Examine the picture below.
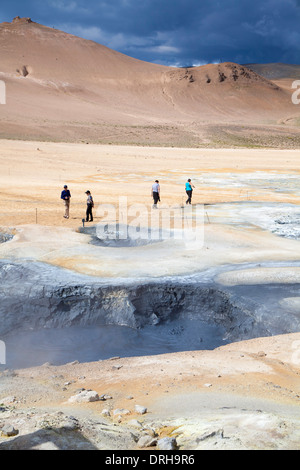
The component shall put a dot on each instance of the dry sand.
(33, 175)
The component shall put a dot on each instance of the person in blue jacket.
(66, 196)
(189, 191)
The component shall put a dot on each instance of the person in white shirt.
(155, 192)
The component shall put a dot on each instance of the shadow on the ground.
(49, 439)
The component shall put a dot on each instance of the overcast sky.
(176, 32)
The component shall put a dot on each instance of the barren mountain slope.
(61, 87)
(282, 75)
(276, 71)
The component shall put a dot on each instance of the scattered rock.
(218, 433)
(84, 396)
(121, 411)
(8, 431)
(18, 19)
(105, 397)
(167, 443)
(23, 71)
(135, 423)
(146, 441)
(9, 373)
(7, 400)
(140, 409)
(261, 354)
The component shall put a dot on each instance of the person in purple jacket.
(66, 196)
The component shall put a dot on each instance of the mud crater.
(48, 314)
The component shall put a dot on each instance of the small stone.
(218, 433)
(69, 424)
(84, 396)
(207, 385)
(167, 443)
(7, 400)
(261, 354)
(135, 423)
(8, 431)
(105, 397)
(140, 409)
(146, 441)
(105, 412)
(121, 411)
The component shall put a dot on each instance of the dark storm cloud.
(177, 32)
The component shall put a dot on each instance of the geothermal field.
(176, 327)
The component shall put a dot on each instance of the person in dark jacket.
(66, 196)
(89, 207)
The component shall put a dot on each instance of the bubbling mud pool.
(94, 343)
(86, 320)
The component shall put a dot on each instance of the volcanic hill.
(60, 87)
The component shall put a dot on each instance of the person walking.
(155, 193)
(89, 207)
(189, 191)
(66, 196)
